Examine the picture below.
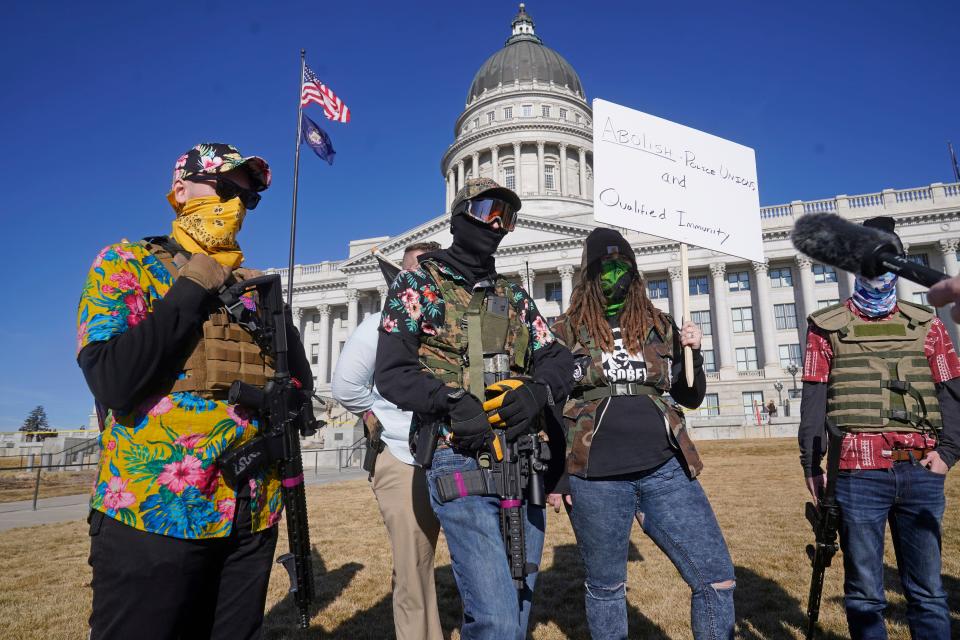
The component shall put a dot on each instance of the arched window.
(509, 178)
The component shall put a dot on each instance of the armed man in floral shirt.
(176, 553)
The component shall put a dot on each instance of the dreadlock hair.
(639, 316)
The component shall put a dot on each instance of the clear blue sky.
(836, 97)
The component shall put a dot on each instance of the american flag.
(315, 91)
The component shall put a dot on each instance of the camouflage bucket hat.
(212, 158)
(475, 187)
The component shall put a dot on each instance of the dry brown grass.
(19, 485)
(755, 487)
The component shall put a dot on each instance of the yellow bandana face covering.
(207, 225)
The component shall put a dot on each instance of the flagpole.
(953, 158)
(296, 180)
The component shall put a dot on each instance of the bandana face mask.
(615, 279)
(875, 297)
(207, 225)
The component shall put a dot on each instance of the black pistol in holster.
(372, 430)
(285, 414)
(825, 519)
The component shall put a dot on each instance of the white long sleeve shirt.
(353, 387)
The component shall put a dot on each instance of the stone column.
(566, 285)
(563, 169)
(351, 311)
(450, 190)
(298, 314)
(676, 292)
(476, 164)
(323, 353)
(527, 277)
(808, 298)
(768, 327)
(517, 173)
(848, 280)
(495, 163)
(722, 334)
(583, 172)
(905, 288)
(382, 291)
(541, 189)
(459, 175)
(948, 249)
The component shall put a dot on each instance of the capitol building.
(528, 125)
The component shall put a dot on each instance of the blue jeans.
(492, 608)
(675, 513)
(911, 499)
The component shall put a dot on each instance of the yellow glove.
(495, 393)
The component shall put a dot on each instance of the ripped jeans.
(674, 511)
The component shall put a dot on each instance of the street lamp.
(793, 369)
(779, 387)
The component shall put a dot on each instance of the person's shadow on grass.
(559, 598)
(765, 610)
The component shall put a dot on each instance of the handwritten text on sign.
(662, 178)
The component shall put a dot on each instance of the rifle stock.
(825, 519)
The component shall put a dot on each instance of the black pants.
(154, 587)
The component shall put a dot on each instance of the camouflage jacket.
(580, 414)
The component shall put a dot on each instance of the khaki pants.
(401, 491)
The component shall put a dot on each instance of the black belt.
(619, 389)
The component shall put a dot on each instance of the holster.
(423, 438)
(372, 430)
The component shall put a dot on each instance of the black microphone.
(828, 238)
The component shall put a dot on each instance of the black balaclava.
(474, 244)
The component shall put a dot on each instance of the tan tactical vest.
(476, 326)
(880, 379)
(224, 353)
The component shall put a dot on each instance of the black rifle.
(286, 414)
(825, 518)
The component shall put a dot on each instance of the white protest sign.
(659, 177)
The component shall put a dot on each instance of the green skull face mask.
(615, 279)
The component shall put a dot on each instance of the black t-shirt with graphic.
(631, 434)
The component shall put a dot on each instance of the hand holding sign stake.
(685, 279)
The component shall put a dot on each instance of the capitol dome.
(524, 58)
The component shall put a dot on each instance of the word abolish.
(638, 141)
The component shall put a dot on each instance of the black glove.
(469, 424)
(520, 408)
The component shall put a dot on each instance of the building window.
(919, 258)
(746, 359)
(314, 353)
(824, 273)
(578, 118)
(752, 402)
(789, 353)
(829, 302)
(739, 281)
(316, 320)
(563, 114)
(710, 405)
(527, 110)
(509, 179)
(508, 113)
(657, 289)
(338, 436)
(699, 285)
(553, 291)
(781, 278)
(702, 320)
(709, 361)
(545, 110)
(785, 315)
(920, 297)
(742, 319)
(491, 116)
(548, 178)
(476, 123)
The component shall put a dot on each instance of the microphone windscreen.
(828, 238)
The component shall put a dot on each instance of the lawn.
(755, 486)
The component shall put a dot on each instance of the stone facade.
(755, 311)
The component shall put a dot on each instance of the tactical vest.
(880, 378)
(657, 352)
(224, 353)
(481, 328)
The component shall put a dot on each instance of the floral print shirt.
(414, 306)
(158, 469)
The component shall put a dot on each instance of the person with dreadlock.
(629, 454)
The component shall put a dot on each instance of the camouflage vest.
(224, 353)
(880, 378)
(482, 333)
(657, 352)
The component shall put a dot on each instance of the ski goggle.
(486, 210)
(228, 189)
